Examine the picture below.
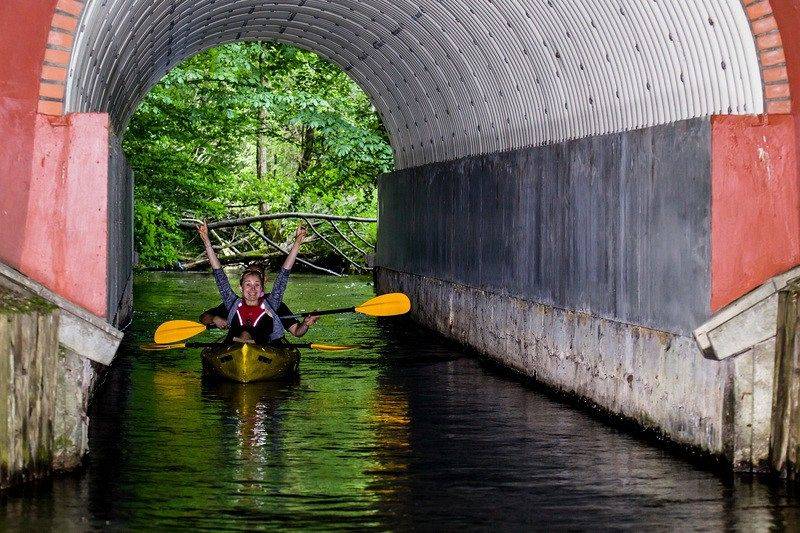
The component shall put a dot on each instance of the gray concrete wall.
(617, 226)
(584, 265)
(46, 378)
(660, 380)
(120, 236)
(28, 375)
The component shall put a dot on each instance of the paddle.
(311, 345)
(392, 304)
(177, 330)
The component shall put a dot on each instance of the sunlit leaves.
(192, 142)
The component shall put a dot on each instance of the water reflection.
(408, 434)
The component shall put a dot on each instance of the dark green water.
(406, 434)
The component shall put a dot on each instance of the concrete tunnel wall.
(616, 226)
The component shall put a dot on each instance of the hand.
(300, 234)
(202, 229)
(310, 320)
(220, 322)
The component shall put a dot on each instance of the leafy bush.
(193, 144)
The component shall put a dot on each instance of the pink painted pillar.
(755, 226)
(755, 203)
(65, 237)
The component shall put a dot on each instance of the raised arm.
(223, 285)
(299, 236)
(202, 229)
(282, 279)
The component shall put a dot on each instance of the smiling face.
(251, 289)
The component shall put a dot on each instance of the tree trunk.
(262, 157)
(307, 149)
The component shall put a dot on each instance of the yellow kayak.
(249, 362)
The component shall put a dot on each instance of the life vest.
(251, 315)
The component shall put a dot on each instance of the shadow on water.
(407, 433)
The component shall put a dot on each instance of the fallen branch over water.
(190, 223)
(232, 259)
(278, 247)
(225, 232)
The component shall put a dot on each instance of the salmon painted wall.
(755, 227)
(755, 199)
(24, 26)
(65, 244)
(53, 171)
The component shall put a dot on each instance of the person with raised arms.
(255, 316)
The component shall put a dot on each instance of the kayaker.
(216, 317)
(252, 317)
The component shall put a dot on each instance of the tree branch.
(232, 259)
(362, 239)
(329, 243)
(299, 260)
(190, 223)
(348, 241)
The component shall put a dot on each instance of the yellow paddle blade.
(177, 330)
(395, 303)
(330, 347)
(161, 347)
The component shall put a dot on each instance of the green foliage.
(193, 141)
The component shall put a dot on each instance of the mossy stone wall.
(28, 376)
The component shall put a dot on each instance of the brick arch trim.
(55, 68)
(771, 57)
(764, 27)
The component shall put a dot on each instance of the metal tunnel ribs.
(452, 78)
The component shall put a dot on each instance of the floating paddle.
(177, 345)
(392, 304)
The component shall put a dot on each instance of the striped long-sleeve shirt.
(232, 300)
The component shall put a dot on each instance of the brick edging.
(771, 57)
(53, 78)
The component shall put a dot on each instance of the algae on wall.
(28, 367)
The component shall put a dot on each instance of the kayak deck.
(248, 362)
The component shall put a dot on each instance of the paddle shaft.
(320, 313)
(212, 344)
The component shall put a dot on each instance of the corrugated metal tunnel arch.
(452, 78)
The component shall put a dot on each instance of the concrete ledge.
(655, 378)
(750, 320)
(79, 330)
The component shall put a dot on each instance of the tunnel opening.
(254, 128)
(579, 184)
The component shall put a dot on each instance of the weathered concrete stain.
(44, 390)
(656, 378)
(71, 423)
(28, 370)
(616, 226)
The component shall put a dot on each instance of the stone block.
(748, 321)
(79, 330)
(28, 364)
